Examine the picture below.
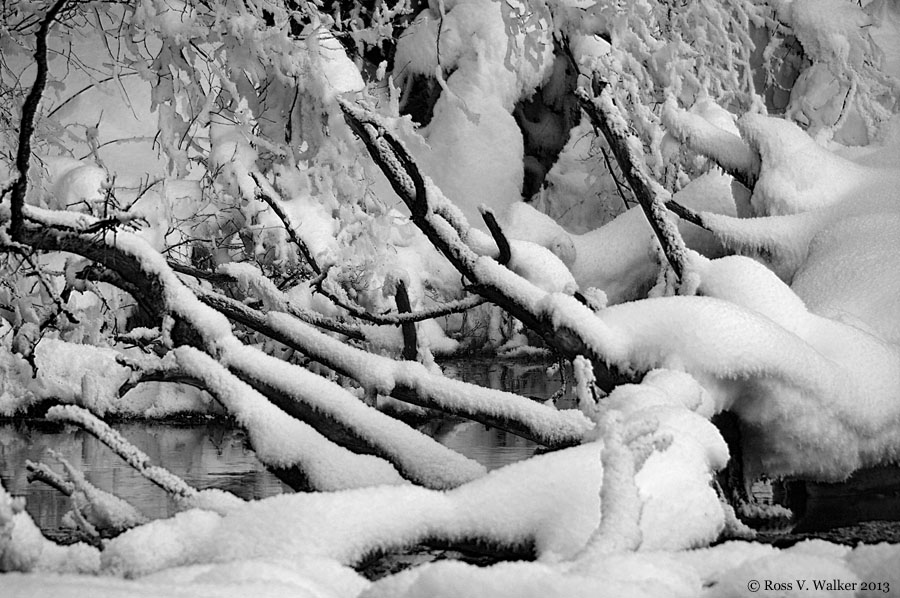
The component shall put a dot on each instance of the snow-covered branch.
(41, 472)
(497, 284)
(729, 151)
(331, 409)
(412, 382)
(172, 484)
(606, 117)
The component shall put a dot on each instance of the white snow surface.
(91, 376)
(283, 441)
(805, 351)
(474, 146)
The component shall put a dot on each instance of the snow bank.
(475, 147)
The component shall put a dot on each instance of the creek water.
(215, 454)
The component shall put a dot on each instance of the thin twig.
(398, 319)
(288, 225)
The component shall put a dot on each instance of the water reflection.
(206, 455)
(868, 495)
(216, 455)
(492, 447)
(539, 379)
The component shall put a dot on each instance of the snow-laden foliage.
(210, 182)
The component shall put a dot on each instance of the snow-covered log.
(412, 382)
(340, 415)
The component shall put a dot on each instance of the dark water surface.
(206, 455)
(214, 454)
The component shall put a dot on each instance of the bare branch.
(410, 338)
(399, 319)
(26, 124)
(499, 238)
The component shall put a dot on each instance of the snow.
(796, 175)
(92, 376)
(283, 441)
(562, 509)
(710, 130)
(24, 548)
(541, 267)
(416, 455)
(621, 257)
(523, 222)
(475, 148)
(799, 338)
(338, 70)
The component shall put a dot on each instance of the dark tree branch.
(172, 375)
(410, 338)
(499, 238)
(620, 187)
(399, 319)
(288, 225)
(27, 123)
(686, 214)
